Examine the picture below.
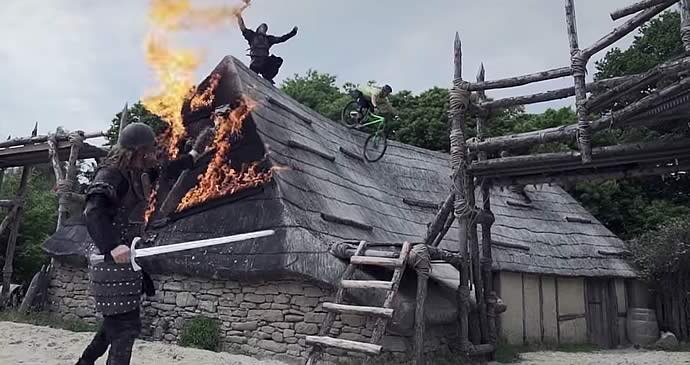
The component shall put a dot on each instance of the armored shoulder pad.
(109, 182)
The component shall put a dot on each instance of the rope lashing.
(419, 258)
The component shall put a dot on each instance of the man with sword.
(115, 205)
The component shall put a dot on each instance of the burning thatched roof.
(322, 192)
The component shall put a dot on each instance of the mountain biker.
(376, 98)
(262, 62)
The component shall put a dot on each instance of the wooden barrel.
(642, 326)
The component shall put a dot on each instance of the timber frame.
(25, 153)
(485, 162)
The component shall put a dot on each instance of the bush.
(663, 256)
(201, 332)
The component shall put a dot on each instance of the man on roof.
(376, 99)
(260, 42)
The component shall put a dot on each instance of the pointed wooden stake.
(124, 120)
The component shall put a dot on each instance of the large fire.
(220, 179)
(175, 67)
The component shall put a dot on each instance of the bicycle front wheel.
(351, 115)
(375, 147)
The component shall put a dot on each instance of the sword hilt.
(97, 259)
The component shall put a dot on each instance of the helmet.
(262, 28)
(136, 135)
(388, 89)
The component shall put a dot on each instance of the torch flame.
(175, 67)
(221, 179)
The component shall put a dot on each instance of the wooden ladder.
(384, 313)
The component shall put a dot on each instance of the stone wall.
(262, 319)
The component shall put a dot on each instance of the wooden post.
(124, 120)
(458, 104)
(420, 260)
(436, 227)
(59, 175)
(685, 24)
(579, 66)
(486, 262)
(12, 241)
(2, 177)
(634, 8)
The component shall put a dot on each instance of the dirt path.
(36, 345)
(611, 357)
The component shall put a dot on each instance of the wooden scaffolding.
(485, 162)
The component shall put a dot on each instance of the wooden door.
(602, 312)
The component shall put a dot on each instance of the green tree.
(631, 207)
(318, 91)
(38, 222)
(139, 113)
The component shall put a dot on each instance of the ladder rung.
(356, 309)
(378, 261)
(366, 284)
(347, 345)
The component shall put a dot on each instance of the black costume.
(115, 205)
(262, 62)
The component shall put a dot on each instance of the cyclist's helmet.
(387, 88)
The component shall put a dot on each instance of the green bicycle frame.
(377, 119)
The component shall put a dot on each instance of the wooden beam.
(458, 104)
(4, 203)
(450, 219)
(357, 309)
(627, 27)
(420, 319)
(685, 24)
(124, 121)
(346, 345)
(596, 103)
(441, 217)
(565, 133)
(522, 79)
(366, 284)
(530, 99)
(12, 241)
(634, 8)
(579, 67)
(44, 138)
(375, 261)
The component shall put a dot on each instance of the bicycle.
(353, 116)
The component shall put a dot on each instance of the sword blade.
(176, 247)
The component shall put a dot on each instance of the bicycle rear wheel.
(375, 146)
(351, 115)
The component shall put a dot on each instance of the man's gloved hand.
(120, 254)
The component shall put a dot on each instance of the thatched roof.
(325, 193)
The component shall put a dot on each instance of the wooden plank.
(622, 30)
(351, 154)
(422, 281)
(376, 261)
(510, 245)
(522, 79)
(304, 147)
(634, 8)
(299, 116)
(357, 309)
(421, 203)
(366, 284)
(41, 139)
(346, 345)
(345, 221)
(570, 317)
(578, 220)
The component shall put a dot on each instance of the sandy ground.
(37, 345)
(610, 357)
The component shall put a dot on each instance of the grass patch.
(202, 333)
(47, 319)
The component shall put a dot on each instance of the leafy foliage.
(663, 255)
(136, 113)
(319, 92)
(39, 219)
(201, 332)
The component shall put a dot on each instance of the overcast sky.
(74, 63)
